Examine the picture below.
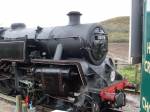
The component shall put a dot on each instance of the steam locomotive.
(64, 67)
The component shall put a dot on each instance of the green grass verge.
(129, 73)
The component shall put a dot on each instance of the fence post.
(136, 75)
(116, 63)
(18, 103)
(24, 107)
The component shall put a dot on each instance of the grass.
(117, 28)
(129, 73)
(118, 37)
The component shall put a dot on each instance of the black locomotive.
(62, 67)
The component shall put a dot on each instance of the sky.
(53, 12)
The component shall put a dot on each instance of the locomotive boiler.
(62, 67)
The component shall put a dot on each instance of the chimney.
(74, 17)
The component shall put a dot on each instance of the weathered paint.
(145, 80)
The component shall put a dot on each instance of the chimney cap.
(74, 13)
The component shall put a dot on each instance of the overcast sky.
(53, 12)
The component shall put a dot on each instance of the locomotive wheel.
(86, 104)
(88, 107)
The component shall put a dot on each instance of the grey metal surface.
(12, 50)
(86, 41)
(74, 17)
(81, 30)
(52, 71)
(135, 50)
(18, 26)
(58, 52)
